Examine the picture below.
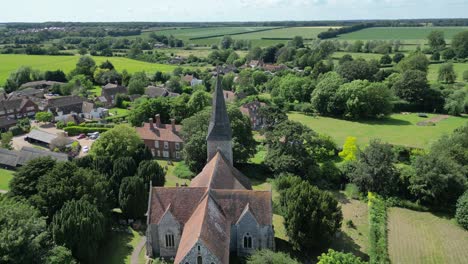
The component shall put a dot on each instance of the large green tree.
(195, 130)
(85, 66)
(460, 44)
(447, 73)
(462, 210)
(119, 141)
(150, 170)
(81, 227)
(323, 94)
(412, 86)
(416, 61)
(436, 40)
(358, 69)
(138, 83)
(133, 197)
(311, 216)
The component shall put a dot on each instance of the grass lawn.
(409, 34)
(120, 246)
(397, 129)
(367, 56)
(433, 71)
(171, 178)
(11, 62)
(421, 237)
(5, 178)
(120, 111)
(97, 90)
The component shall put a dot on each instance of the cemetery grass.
(5, 178)
(119, 246)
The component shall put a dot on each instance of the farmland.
(9, 63)
(398, 129)
(422, 237)
(402, 33)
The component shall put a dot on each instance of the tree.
(80, 227)
(292, 88)
(133, 197)
(447, 73)
(226, 42)
(398, 57)
(337, 257)
(198, 101)
(465, 76)
(374, 169)
(194, 132)
(123, 167)
(107, 65)
(435, 56)
(119, 141)
(58, 76)
(436, 40)
(174, 84)
(138, 83)
(350, 149)
(311, 217)
(416, 61)
(26, 178)
(23, 234)
(150, 170)
(60, 255)
(44, 117)
(460, 44)
(385, 59)
(6, 140)
(412, 86)
(323, 94)
(457, 102)
(21, 76)
(272, 115)
(345, 58)
(462, 210)
(267, 256)
(85, 66)
(358, 69)
(297, 42)
(448, 54)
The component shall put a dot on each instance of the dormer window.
(166, 145)
(247, 241)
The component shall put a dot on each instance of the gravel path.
(137, 250)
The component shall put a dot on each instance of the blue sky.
(234, 10)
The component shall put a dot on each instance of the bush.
(268, 256)
(462, 210)
(377, 229)
(182, 171)
(15, 130)
(76, 130)
(60, 125)
(336, 257)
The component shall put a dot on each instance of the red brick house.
(252, 111)
(163, 140)
(18, 108)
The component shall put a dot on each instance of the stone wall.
(199, 249)
(224, 146)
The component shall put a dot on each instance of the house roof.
(164, 132)
(64, 101)
(220, 174)
(187, 78)
(8, 157)
(6, 122)
(209, 225)
(15, 104)
(229, 96)
(14, 158)
(41, 135)
(25, 92)
(113, 89)
(87, 107)
(156, 91)
(40, 83)
(220, 127)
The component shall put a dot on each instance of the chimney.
(158, 120)
(173, 125)
(151, 123)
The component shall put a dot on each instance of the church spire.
(219, 131)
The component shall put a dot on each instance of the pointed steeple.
(219, 131)
(220, 127)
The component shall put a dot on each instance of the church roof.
(209, 225)
(220, 127)
(220, 174)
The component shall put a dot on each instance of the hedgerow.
(377, 229)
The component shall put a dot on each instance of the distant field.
(401, 33)
(423, 238)
(459, 68)
(188, 33)
(398, 129)
(5, 178)
(11, 62)
(355, 55)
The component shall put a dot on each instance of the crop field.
(421, 237)
(408, 34)
(188, 33)
(5, 178)
(397, 129)
(10, 62)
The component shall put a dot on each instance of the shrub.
(336, 257)
(377, 229)
(182, 171)
(268, 256)
(76, 130)
(462, 210)
(15, 130)
(60, 125)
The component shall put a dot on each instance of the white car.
(85, 149)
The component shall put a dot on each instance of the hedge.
(378, 252)
(76, 130)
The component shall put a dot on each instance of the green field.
(409, 34)
(421, 237)
(5, 178)
(367, 56)
(11, 62)
(459, 68)
(398, 129)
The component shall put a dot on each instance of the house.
(110, 91)
(18, 108)
(163, 140)
(26, 93)
(218, 214)
(176, 60)
(11, 159)
(89, 111)
(266, 66)
(159, 45)
(159, 91)
(193, 81)
(42, 137)
(67, 118)
(63, 105)
(229, 96)
(40, 84)
(252, 111)
(6, 123)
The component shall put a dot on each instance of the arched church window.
(170, 243)
(199, 260)
(247, 241)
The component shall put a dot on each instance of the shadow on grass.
(256, 172)
(388, 121)
(346, 244)
(116, 248)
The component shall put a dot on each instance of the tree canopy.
(119, 141)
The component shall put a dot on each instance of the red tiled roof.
(163, 132)
(220, 174)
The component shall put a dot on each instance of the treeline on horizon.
(144, 25)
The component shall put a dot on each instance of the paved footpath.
(137, 250)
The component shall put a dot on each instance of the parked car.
(85, 149)
(81, 136)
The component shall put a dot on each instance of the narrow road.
(137, 250)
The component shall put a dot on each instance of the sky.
(234, 10)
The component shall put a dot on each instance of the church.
(218, 214)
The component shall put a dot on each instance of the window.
(199, 260)
(166, 154)
(166, 145)
(159, 153)
(177, 146)
(170, 240)
(156, 144)
(177, 155)
(247, 241)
